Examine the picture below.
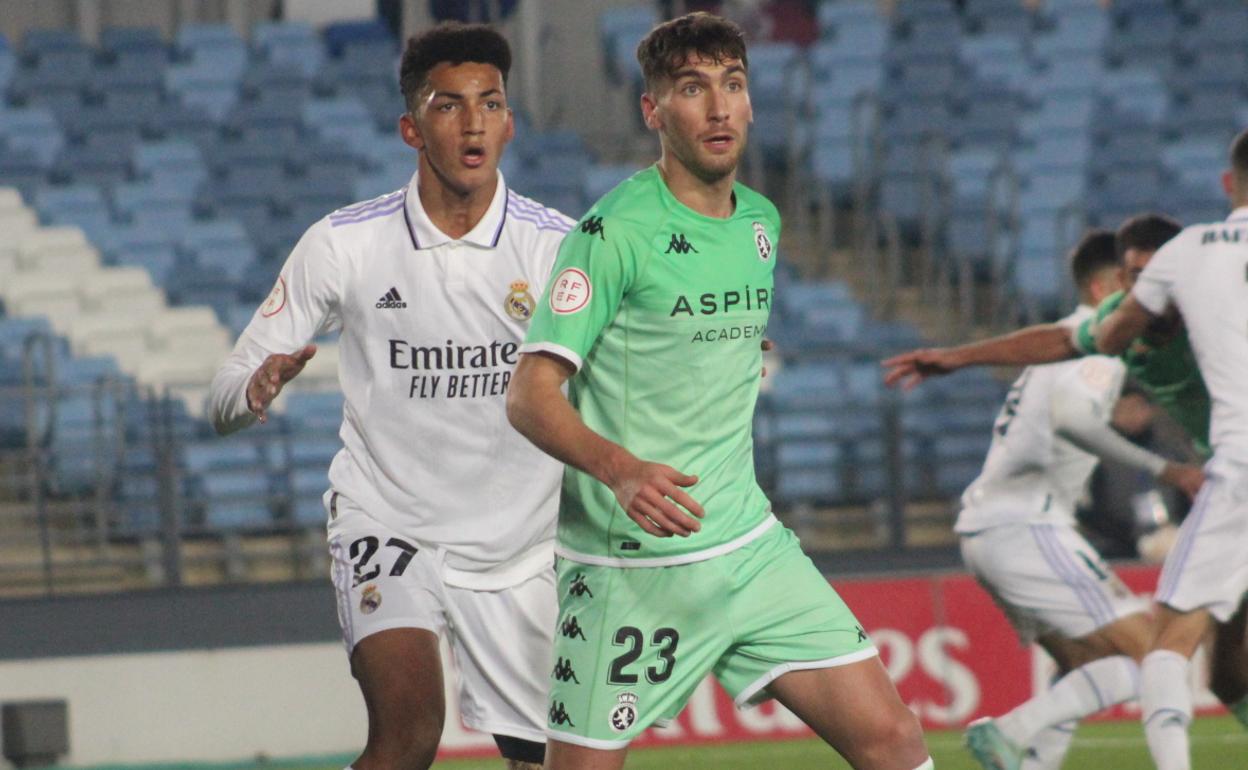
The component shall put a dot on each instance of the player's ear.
(650, 112)
(411, 132)
(1228, 183)
(510, 133)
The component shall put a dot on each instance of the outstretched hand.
(652, 495)
(272, 375)
(909, 369)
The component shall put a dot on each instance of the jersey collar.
(425, 235)
(1238, 215)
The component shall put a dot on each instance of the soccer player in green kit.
(671, 565)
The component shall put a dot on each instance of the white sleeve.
(1081, 405)
(1154, 289)
(304, 303)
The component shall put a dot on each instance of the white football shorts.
(1047, 578)
(1208, 565)
(500, 640)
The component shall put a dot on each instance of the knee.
(410, 744)
(895, 739)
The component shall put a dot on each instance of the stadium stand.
(153, 186)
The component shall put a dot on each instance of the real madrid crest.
(625, 712)
(762, 242)
(519, 303)
(370, 600)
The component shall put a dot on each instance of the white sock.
(1086, 690)
(1167, 708)
(1049, 746)
(928, 765)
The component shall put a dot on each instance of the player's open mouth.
(473, 157)
(719, 142)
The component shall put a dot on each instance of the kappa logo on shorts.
(558, 715)
(370, 600)
(862, 635)
(625, 712)
(579, 587)
(563, 671)
(571, 629)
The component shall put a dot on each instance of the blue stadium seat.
(834, 18)
(38, 41)
(341, 36)
(315, 412)
(236, 499)
(621, 28)
(34, 130)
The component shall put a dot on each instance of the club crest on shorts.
(762, 242)
(370, 600)
(625, 712)
(519, 303)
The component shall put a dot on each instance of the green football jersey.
(663, 311)
(1166, 369)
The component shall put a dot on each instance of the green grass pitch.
(1216, 742)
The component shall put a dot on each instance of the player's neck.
(452, 212)
(709, 198)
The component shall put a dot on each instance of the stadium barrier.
(946, 646)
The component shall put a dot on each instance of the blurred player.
(1160, 360)
(441, 517)
(1203, 275)
(1018, 537)
(653, 319)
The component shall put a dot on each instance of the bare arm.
(650, 493)
(1040, 344)
(1128, 321)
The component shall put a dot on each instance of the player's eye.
(691, 89)
(493, 104)
(445, 107)
(735, 85)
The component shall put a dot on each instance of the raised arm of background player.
(648, 492)
(1038, 344)
(1080, 406)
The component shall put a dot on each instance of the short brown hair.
(670, 45)
(1093, 253)
(455, 44)
(1146, 232)
(1239, 155)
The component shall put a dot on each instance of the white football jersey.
(1203, 271)
(1031, 474)
(431, 328)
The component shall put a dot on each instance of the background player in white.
(441, 517)
(1203, 275)
(1018, 536)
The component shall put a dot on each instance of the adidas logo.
(391, 300)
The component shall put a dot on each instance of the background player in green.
(671, 563)
(1161, 361)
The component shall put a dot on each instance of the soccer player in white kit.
(441, 516)
(1203, 275)
(1018, 536)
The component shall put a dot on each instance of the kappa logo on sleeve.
(570, 291)
(276, 299)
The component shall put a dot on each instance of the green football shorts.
(632, 644)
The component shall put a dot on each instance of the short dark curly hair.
(671, 44)
(453, 43)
